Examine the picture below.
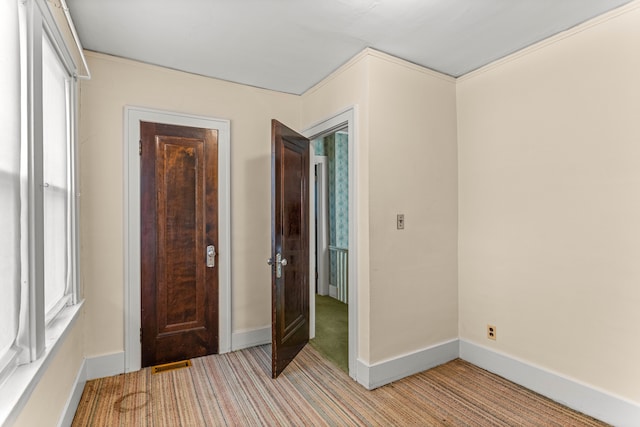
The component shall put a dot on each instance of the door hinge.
(140, 147)
(140, 334)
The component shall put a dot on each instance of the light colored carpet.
(235, 389)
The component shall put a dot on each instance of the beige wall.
(413, 171)
(406, 136)
(410, 105)
(549, 161)
(548, 203)
(430, 242)
(349, 87)
(50, 396)
(116, 83)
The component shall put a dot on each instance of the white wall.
(118, 82)
(549, 204)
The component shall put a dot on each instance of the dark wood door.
(179, 205)
(289, 244)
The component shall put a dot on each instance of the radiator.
(339, 272)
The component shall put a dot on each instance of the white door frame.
(344, 118)
(322, 221)
(132, 281)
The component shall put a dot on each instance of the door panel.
(290, 243)
(179, 220)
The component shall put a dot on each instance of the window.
(56, 150)
(38, 221)
(10, 215)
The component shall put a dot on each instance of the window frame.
(41, 334)
(70, 199)
(9, 358)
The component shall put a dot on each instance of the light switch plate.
(400, 221)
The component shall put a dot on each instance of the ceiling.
(290, 45)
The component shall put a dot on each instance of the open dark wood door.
(289, 244)
(179, 228)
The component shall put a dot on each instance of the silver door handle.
(211, 256)
(280, 262)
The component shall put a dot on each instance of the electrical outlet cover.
(491, 332)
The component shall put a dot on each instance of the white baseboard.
(385, 372)
(591, 401)
(91, 368)
(105, 365)
(581, 397)
(113, 364)
(70, 408)
(250, 338)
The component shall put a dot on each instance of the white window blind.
(56, 153)
(10, 213)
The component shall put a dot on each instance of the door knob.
(279, 262)
(211, 256)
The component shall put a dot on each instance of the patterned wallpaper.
(319, 147)
(336, 148)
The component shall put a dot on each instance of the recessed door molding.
(132, 297)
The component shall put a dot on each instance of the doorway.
(287, 321)
(133, 116)
(332, 246)
(343, 122)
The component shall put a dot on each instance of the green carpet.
(332, 331)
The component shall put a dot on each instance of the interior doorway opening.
(342, 124)
(331, 183)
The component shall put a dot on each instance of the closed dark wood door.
(179, 205)
(289, 245)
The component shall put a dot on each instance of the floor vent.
(170, 366)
